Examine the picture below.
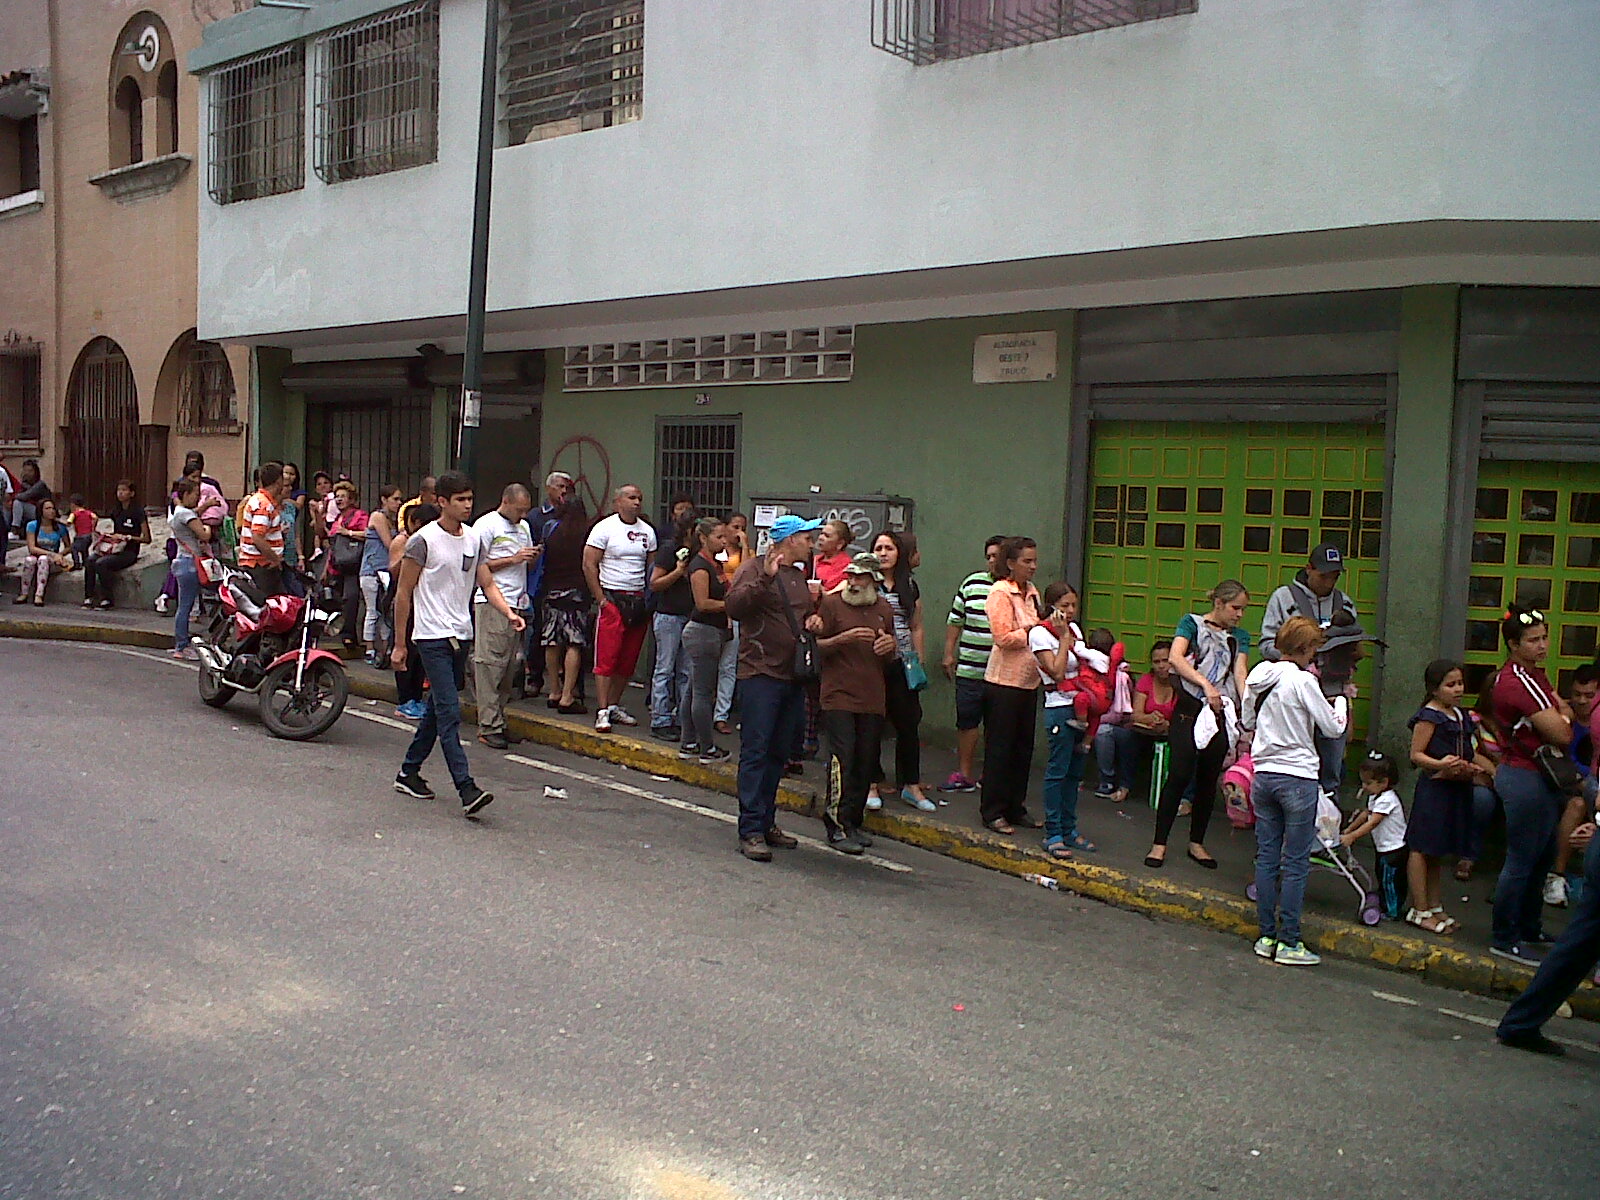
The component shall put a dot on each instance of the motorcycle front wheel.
(212, 690)
(309, 711)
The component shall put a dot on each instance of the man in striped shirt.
(261, 531)
(967, 642)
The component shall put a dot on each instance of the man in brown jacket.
(773, 705)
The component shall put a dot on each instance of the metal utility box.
(867, 516)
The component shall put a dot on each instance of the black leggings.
(904, 711)
(1010, 716)
(1204, 767)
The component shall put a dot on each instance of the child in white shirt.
(1385, 819)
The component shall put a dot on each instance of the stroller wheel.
(1250, 891)
(1371, 913)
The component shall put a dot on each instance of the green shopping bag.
(1159, 765)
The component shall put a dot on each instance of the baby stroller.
(1336, 859)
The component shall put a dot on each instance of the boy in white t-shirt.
(1384, 817)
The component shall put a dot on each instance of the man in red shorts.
(616, 564)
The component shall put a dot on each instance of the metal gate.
(373, 442)
(103, 440)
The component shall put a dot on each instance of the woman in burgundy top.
(1532, 715)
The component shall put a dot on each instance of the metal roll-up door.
(1355, 399)
(1546, 423)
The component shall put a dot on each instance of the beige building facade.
(101, 374)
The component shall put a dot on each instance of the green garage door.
(1177, 505)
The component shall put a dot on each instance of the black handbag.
(345, 552)
(807, 658)
(1559, 771)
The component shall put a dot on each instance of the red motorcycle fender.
(311, 657)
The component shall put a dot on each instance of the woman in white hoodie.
(1285, 706)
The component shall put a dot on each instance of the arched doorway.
(103, 439)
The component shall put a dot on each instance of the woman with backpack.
(1208, 654)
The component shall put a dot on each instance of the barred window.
(698, 457)
(258, 125)
(570, 65)
(378, 95)
(206, 401)
(21, 387)
(929, 31)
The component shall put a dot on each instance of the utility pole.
(478, 279)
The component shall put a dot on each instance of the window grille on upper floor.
(570, 65)
(206, 397)
(258, 120)
(824, 354)
(377, 99)
(21, 390)
(929, 31)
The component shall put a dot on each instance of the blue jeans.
(728, 675)
(445, 665)
(1483, 802)
(670, 679)
(1286, 831)
(188, 577)
(1570, 960)
(773, 713)
(1330, 756)
(1533, 810)
(1116, 750)
(1063, 775)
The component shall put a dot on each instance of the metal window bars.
(206, 396)
(930, 31)
(377, 97)
(699, 459)
(258, 119)
(21, 392)
(570, 65)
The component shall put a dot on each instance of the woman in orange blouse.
(1010, 689)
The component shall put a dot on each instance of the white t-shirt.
(441, 605)
(1391, 831)
(1040, 638)
(499, 538)
(627, 549)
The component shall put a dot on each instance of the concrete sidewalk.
(1116, 875)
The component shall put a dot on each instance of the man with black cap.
(1314, 592)
(771, 602)
(855, 633)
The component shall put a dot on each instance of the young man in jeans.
(442, 563)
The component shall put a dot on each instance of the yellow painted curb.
(1435, 961)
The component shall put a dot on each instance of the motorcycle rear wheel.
(309, 712)
(212, 690)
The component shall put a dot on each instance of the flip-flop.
(1001, 827)
(1058, 851)
(1078, 842)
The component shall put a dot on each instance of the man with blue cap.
(771, 602)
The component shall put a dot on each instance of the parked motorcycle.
(268, 645)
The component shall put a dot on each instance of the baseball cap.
(787, 526)
(865, 563)
(1327, 557)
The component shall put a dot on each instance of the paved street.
(238, 967)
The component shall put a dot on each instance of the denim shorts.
(969, 703)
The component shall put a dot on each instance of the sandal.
(1078, 842)
(1058, 850)
(1118, 796)
(1001, 826)
(1430, 920)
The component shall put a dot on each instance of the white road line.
(1393, 999)
(628, 789)
(378, 719)
(1491, 1023)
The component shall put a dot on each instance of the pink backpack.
(1237, 782)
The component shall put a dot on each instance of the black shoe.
(413, 785)
(777, 837)
(1534, 1042)
(794, 770)
(843, 843)
(1209, 864)
(862, 837)
(666, 733)
(476, 801)
(755, 850)
(576, 707)
(495, 741)
(1026, 821)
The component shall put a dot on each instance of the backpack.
(1237, 783)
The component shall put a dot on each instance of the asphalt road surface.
(233, 966)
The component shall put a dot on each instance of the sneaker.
(86, 603)
(755, 849)
(414, 785)
(476, 801)
(1555, 890)
(958, 783)
(714, 755)
(602, 721)
(1514, 954)
(623, 717)
(1266, 947)
(494, 740)
(1295, 956)
(784, 841)
(874, 801)
(666, 733)
(1535, 1042)
(842, 842)
(163, 605)
(862, 837)
(921, 805)
(688, 752)
(413, 710)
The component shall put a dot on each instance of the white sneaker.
(602, 721)
(1555, 891)
(622, 716)
(1295, 956)
(162, 604)
(1266, 947)
(874, 801)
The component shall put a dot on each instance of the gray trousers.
(494, 663)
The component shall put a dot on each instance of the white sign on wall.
(1014, 357)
